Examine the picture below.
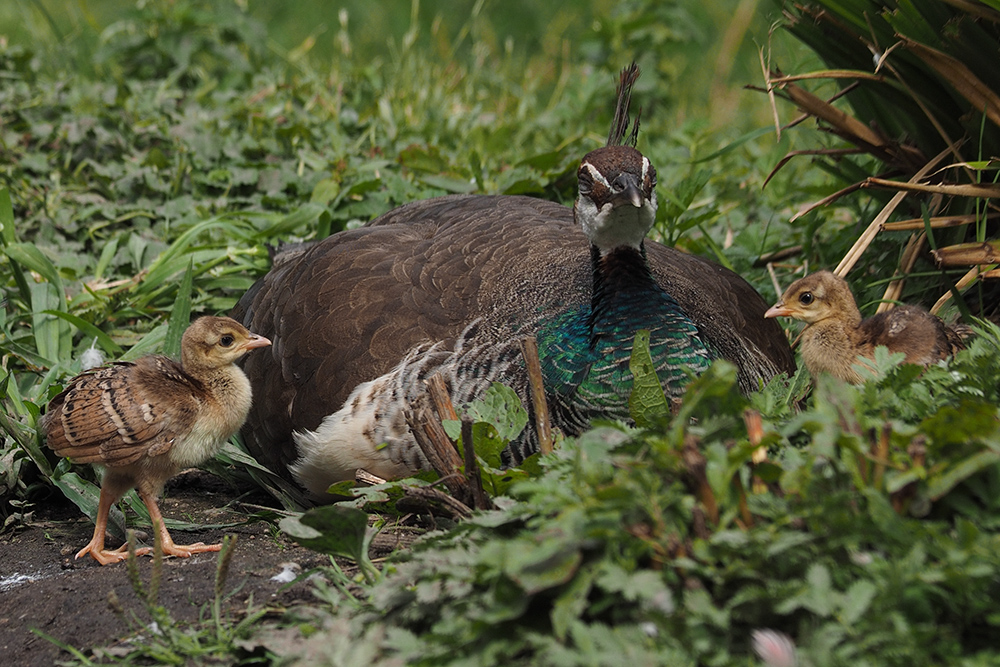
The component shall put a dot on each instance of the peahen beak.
(626, 191)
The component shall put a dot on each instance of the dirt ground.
(43, 588)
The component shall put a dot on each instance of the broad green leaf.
(969, 421)
(294, 221)
(7, 236)
(152, 342)
(89, 330)
(572, 601)
(180, 315)
(542, 566)
(332, 529)
(86, 496)
(53, 336)
(30, 257)
(107, 254)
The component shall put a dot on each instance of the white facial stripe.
(645, 169)
(597, 175)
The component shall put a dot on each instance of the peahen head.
(616, 201)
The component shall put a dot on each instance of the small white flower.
(288, 573)
(861, 557)
(776, 649)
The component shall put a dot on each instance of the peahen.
(449, 284)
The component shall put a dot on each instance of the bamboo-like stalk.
(963, 282)
(866, 238)
(895, 287)
(976, 190)
(966, 254)
(940, 222)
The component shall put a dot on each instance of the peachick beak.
(778, 310)
(255, 342)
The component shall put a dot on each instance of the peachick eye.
(806, 298)
(226, 341)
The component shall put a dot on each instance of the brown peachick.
(144, 421)
(835, 335)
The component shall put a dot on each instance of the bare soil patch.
(43, 588)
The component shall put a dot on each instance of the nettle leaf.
(501, 407)
(537, 567)
(969, 421)
(940, 485)
(499, 417)
(333, 529)
(571, 603)
(856, 601)
(647, 403)
(817, 596)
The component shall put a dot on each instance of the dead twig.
(426, 498)
(543, 424)
(438, 390)
(696, 464)
(437, 447)
(472, 473)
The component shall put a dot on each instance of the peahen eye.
(806, 298)
(226, 340)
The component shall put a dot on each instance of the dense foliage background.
(150, 152)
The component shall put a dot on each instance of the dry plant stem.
(766, 69)
(774, 279)
(362, 476)
(845, 125)
(972, 7)
(966, 254)
(741, 496)
(828, 74)
(825, 200)
(828, 152)
(881, 456)
(859, 247)
(438, 390)
(755, 433)
(543, 424)
(437, 447)
(777, 256)
(472, 472)
(426, 496)
(695, 462)
(942, 222)
(976, 190)
(895, 287)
